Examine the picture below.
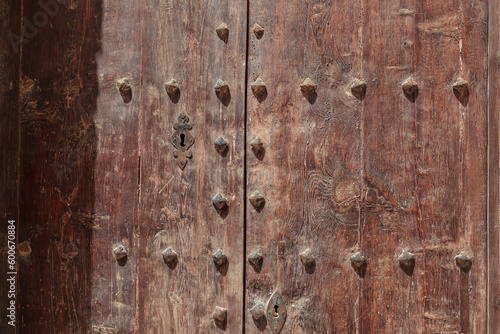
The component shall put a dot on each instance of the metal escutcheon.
(276, 313)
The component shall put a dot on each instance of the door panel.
(58, 102)
(114, 294)
(10, 16)
(412, 172)
(323, 161)
(181, 43)
(389, 219)
(430, 158)
(311, 170)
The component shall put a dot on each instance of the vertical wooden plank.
(311, 170)
(493, 289)
(389, 216)
(10, 22)
(389, 222)
(473, 16)
(180, 42)
(114, 302)
(452, 146)
(58, 101)
(430, 157)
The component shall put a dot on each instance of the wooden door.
(375, 165)
(176, 209)
(251, 166)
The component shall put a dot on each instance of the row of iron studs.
(308, 88)
(358, 261)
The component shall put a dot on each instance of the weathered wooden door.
(252, 166)
(375, 165)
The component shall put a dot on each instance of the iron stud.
(220, 261)
(259, 317)
(407, 262)
(358, 262)
(220, 317)
(258, 148)
(173, 90)
(220, 205)
(258, 31)
(170, 258)
(259, 90)
(410, 89)
(255, 259)
(125, 89)
(221, 146)
(258, 201)
(358, 89)
(461, 91)
(464, 261)
(223, 32)
(307, 259)
(308, 88)
(120, 253)
(222, 92)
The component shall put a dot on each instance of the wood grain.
(84, 171)
(493, 232)
(180, 42)
(59, 90)
(116, 172)
(473, 302)
(311, 170)
(421, 170)
(431, 156)
(389, 223)
(10, 18)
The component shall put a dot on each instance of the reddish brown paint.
(310, 173)
(57, 158)
(10, 17)
(175, 205)
(493, 231)
(349, 159)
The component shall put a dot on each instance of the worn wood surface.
(175, 210)
(10, 18)
(430, 157)
(116, 122)
(417, 170)
(59, 91)
(493, 289)
(310, 173)
(389, 221)
(339, 175)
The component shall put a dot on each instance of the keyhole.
(276, 315)
(182, 139)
